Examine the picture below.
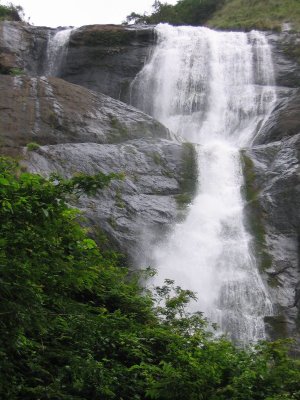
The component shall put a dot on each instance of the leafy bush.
(16, 72)
(224, 14)
(32, 146)
(185, 12)
(74, 324)
(10, 12)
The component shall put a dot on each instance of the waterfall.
(57, 51)
(214, 89)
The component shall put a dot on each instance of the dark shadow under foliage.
(74, 325)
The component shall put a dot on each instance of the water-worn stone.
(134, 213)
(286, 58)
(23, 47)
(107, 58)
(276, 184)
(51, 111)
(80, 131)
(284, 121)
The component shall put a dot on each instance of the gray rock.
(275, 186)
(286, 57)
(23, 47)
(285, 119)
(107, 58)
(51, 111)
(142, 206)
(80, 131)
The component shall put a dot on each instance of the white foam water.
(214, 89)
(57, 51)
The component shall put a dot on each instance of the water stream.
(214, 89)
(57, 51)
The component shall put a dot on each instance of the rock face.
(272, 174)
(107, 58)
(135, 212)
(52, 111)
(22, 47)
(80, 131)
(275, 204)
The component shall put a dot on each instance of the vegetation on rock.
(257, 14)
(225, 14)
(255, 215)
(185, 12)
(75, 325)
(32, 146)
(10, 12)
(189, 176)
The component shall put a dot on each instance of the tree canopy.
(185, 12)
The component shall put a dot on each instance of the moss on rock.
(106, 35)
(255, 217)
(189, 176)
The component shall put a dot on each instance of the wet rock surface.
(285, 118)
(23, 47)
(107, 58)
(276, 184)
(284, 121)
(75, 131)
(275, 188)
(52, 111)
(135, 212)
(286, 58)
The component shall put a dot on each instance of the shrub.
(76, 325)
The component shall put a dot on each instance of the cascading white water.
(213, 89)
(57, 51)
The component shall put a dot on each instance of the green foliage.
(10, 12)
(225, 14)
(185, 12)
(12, 71)
(74, 325)
(256, 218)
(189, 176)
(32, 146)
(16, 72)
(257, 14)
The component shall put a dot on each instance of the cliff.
(271, 170)
(80, 125)
(80, 130)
